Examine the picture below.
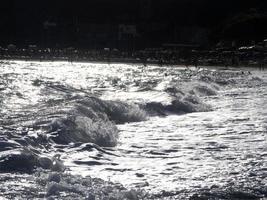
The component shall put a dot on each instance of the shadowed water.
(177, 133)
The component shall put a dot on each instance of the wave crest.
(83, 129)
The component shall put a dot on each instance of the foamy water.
(174, 132)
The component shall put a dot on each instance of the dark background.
(93, 24)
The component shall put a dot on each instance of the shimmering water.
(175, 132)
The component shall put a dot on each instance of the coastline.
(134, 62)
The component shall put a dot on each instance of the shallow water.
(173, 131)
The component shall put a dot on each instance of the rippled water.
(175, 132)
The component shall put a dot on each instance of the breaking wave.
(92, 120)
(184, 105)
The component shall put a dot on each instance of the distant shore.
(220, 58)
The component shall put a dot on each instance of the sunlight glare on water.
(178, 129)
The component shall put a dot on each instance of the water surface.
(175, 132)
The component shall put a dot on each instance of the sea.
(157, 132)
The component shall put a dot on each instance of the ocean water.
(173, 132)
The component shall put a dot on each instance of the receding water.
(175, 132)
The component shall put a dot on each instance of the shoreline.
(133, 61)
